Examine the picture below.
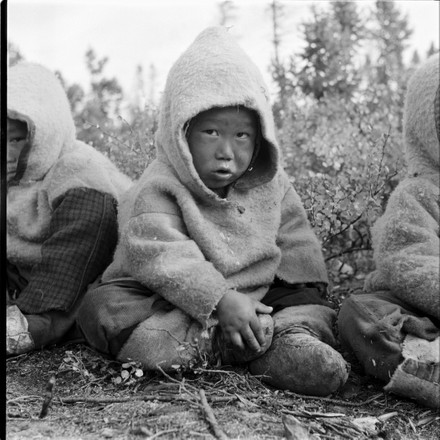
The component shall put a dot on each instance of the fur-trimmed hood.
(190, 90)
(36, 97)
(422, 119)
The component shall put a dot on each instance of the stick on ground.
(211, 417)
(48, 395)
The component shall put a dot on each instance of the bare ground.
(70, 392)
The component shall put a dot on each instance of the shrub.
(343, 160)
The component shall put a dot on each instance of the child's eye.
(17, 139)
(243, 135)
(211, 132)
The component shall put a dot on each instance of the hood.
(213, 72)
(422, 119)
(35, 95)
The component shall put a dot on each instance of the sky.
(57, 33)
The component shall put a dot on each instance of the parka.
(62, 204)
(178, 237)
(406, 238)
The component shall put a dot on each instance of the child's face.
(222, 142)
(16, 141)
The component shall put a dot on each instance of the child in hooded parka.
(394, 327)
(216, 257)
(61, 211)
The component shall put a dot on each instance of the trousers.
(49, 327)
(123, 319)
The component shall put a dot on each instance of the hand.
(237, 316)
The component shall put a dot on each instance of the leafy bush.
(129, 145)
(344, 162)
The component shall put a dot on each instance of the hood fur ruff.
(222, 75)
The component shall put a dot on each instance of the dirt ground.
(72, 393)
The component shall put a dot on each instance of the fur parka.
(406, 237)
(178, 237)
(56, 163)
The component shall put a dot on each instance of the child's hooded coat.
(406, 237)
(182, 240)
(63, 196)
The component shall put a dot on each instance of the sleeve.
(301, 254)
(82, 236)
(406, 244)
(161, 256)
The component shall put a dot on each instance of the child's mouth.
(223, 173)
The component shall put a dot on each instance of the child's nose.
(225, 150)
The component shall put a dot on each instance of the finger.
(257, 329)
(262, 308)
(250, 339)
(237, 340)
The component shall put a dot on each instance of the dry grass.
(94, 398)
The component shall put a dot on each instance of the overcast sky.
(57, 33)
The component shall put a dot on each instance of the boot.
(18, 338)
(301, 363)
(231, 355)
(418, 375)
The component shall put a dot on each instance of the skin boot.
(301, 363)
(230, 355)
(418, 375)
(18, 338)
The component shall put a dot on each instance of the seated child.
(61, 211)
(216, 259)
(394, 329)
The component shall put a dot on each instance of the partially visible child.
(394, 329)
(216, 256)
(61, 211)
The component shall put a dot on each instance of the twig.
(110, 400)
(158, 434)
(18, 357)
(334, 401)
(15, 399)
(313, 415)
(161, 398)
(345, 428)
(48, 397)
(347, 251)
(211, 417)
(181, 383)
(205, 370)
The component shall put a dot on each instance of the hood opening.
(25, 152)
(259, 160)
(21, 165)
